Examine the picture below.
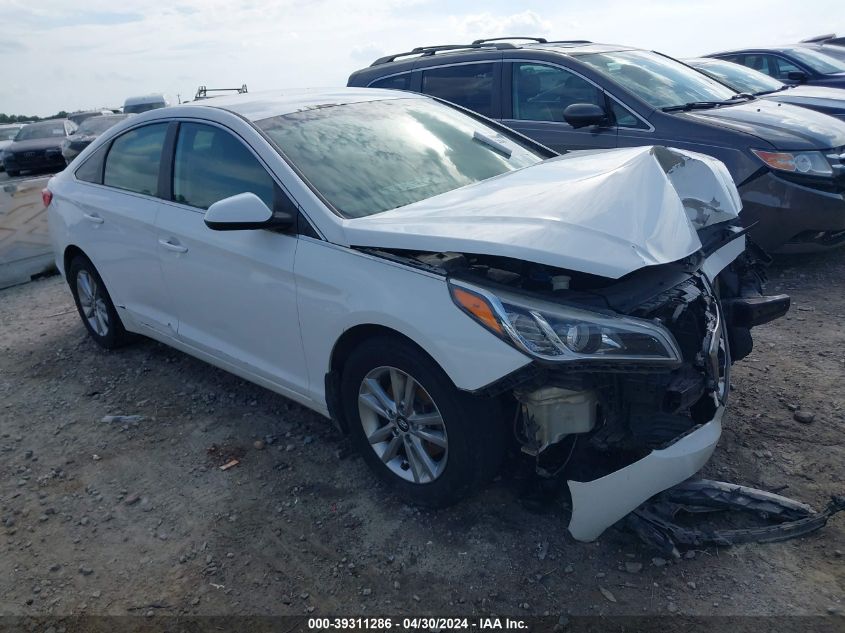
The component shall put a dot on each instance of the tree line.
(20, 118)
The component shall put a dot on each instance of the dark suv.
(794, 65)
(788, 162)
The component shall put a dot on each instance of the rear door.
(234, 291)
(475, 85)
(536, 95)
(116, 226)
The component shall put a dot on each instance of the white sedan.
(435, 283)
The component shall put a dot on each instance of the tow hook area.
(656, 521)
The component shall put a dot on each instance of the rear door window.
(542, 93)
(468, 85)
(134, 158)
(761, 63)
(211, 164)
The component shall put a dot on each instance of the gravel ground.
(136, 517)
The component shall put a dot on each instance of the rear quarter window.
(92, 169)
(396, 82)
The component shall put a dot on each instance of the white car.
(432, 281)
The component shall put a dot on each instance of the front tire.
(429, 441)
(95, 306)
(13, 173)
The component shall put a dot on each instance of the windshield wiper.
(493, 144)
(768, 92)
(706, 105)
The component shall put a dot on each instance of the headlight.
(809, 163)
(554, 332)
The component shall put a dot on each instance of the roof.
(262, 105)
(150, 98)
(761, 49)
(497, 45)
(580, 48)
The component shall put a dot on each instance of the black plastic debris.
(656, 522)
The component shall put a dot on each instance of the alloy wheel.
(92, 302)
(403, 425)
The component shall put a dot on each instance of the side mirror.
(584, 114)
(244, 212)
(797, 75)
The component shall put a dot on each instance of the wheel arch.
(343, 347)
(72, 251)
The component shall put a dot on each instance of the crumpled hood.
(783, 125)
(36, 144)
(604, 212)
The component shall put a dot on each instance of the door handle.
(176, 248)
(96, 219)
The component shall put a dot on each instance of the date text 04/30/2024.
(422, 623)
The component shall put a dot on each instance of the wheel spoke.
(391, 450)
(397, 385)
(428, 436)
(423, 458)
(408, 395)
(413, 460)
(381, 434)
(83, 286)
(426, 419)
(102, 326)
(370, 401)
(375, 388)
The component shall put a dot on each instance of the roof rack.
(426, 51)
(202, 91)
(818, 38)
(539, 40)
(571, 42)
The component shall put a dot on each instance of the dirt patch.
(130, 517)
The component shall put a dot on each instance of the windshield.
(40, 130)
(659, 81)
(740, 78)
(821, 63)
(8, 133)
(97, 125)
(365, 158)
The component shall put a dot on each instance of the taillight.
(46, 197)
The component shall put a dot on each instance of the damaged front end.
(631, 377)
(630, 372)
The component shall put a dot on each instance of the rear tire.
(95, 306)
(433, 445)
(13, 173)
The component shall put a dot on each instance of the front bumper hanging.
(655, 522)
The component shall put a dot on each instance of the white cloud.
(526, 23)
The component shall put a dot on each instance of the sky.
(82, 54)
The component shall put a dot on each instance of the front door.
(234, 291)
(539, 93)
